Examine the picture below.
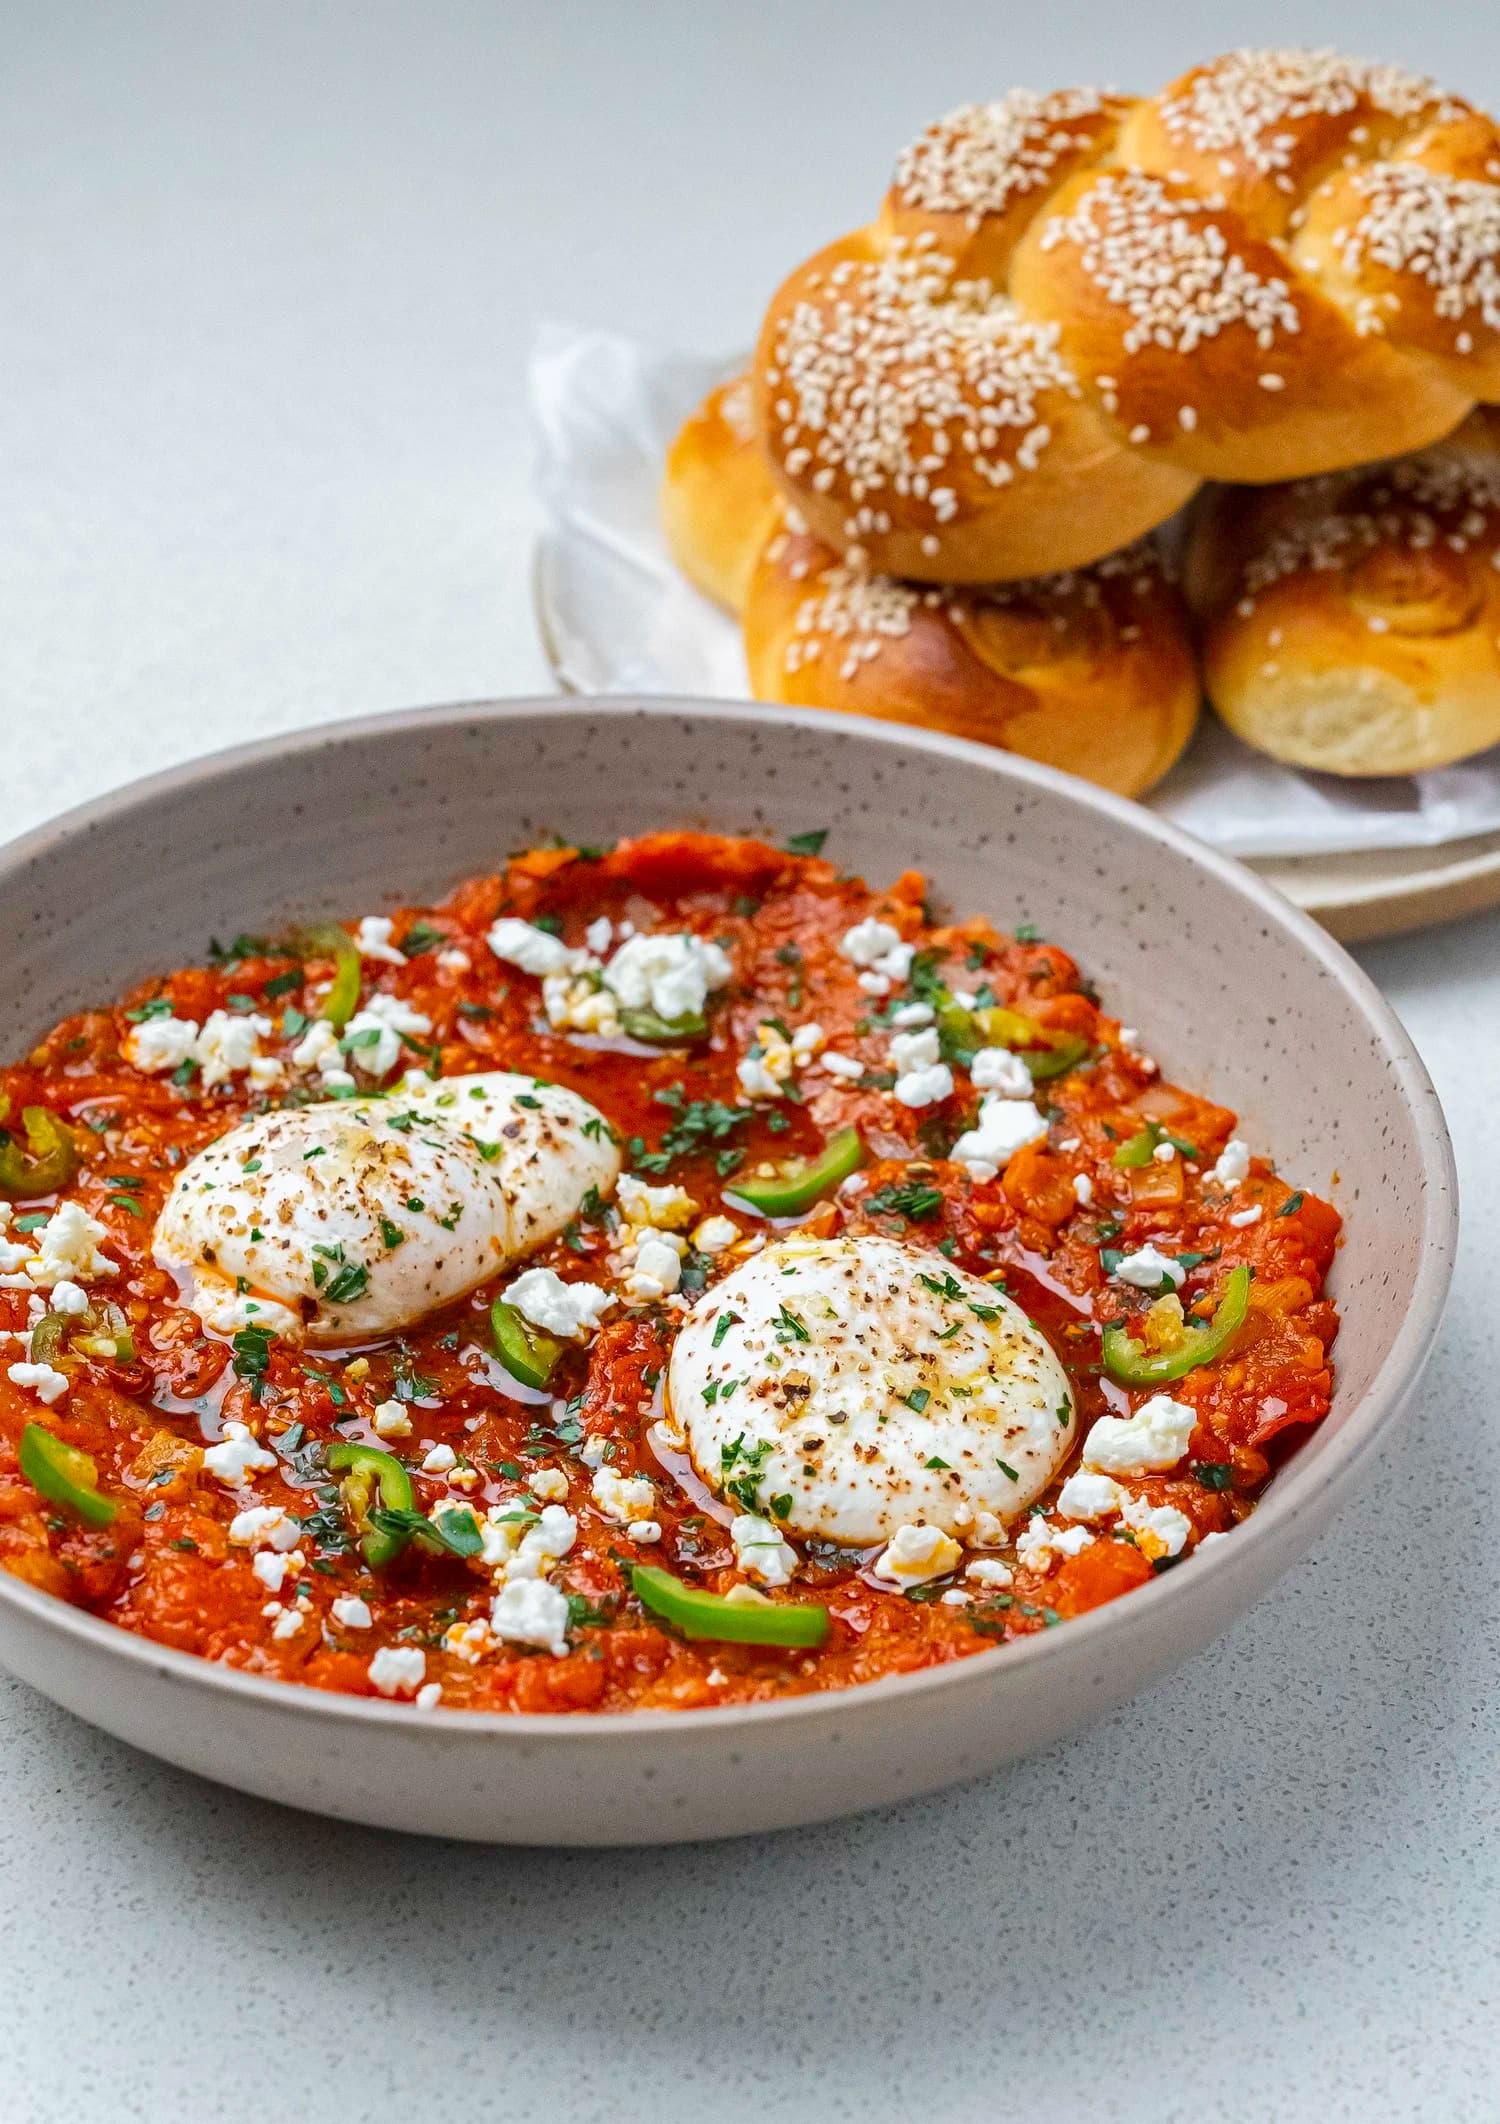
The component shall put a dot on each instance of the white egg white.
(351, 1219)
(864, 1385)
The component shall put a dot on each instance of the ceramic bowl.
(1239, 995)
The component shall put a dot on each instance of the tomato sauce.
(165, 1566)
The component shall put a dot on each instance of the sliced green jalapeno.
(373, 1480)
(526, 1353)
(1128, 1360)
(799, 1187)
(722, 1617)
(48, 1162)
(64, 1475)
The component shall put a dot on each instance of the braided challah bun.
(1092, 671)
(1351, 623)
(718, 503)
(1074, 309)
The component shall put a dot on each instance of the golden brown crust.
(1351, 624)
(1091, 671)
(1286, 262)
(719, 503)
(927, 425)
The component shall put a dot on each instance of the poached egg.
(852, 1386)
(351, 1219)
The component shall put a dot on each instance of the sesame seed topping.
(1445, 230)
(1244, 104)
(981, 156)
(1163, 257)
(1443, 495)
(856, 613)
(897, 369)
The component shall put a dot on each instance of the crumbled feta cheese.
(878, 948)
(622, 1497)
(594, 1451)
(516, 1546)
(440, 1460)
(237, 1455)
(839, 1065)
(1243, 1217)
(915, 1554)
(1004, 1127)
(529, 1611)
(989, 1571)
(714, 1234)
(228, 1044)
(571, 1310)
(657, 1268)
(1083, 1189)
(599, 935)
(385, 1018)
(550, 1484)
(996, 1069)
(289, 1622)
(1233, 1164)
(755, 1078)
(914, 1050)
(269, 1526)
(1159, 1530)
(69, 1298)
(535, 951)
(868, 941)
(66, 1249)
(1086, 1495)
(767, 1070)
(319, 1049)
(669, 1208)
(1164, 1153)
(48, 1384)
(956, 1597)
(351, 1613)
(644, 1531)
(909, 1014)
(1153, 1437)
(760, 1551)
(670, 974)
(391, 1420)
(544, 1544)
(923, 1087)
(372, 940)
(576, 1000)
(1039, 1544)
(429, 1696)
(271, 1567)
(158, 1044)
(468, 1641)
(1147, 1268)
(454, 959)
(921, 1079)
(397, 1668)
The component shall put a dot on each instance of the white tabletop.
(268, 277)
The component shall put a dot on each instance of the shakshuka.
(660, 1276)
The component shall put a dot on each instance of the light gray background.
(267, 278)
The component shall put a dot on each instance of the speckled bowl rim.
(1308, 1483)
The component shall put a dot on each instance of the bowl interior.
(1233, 992)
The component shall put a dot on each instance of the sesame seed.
(978, 158)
